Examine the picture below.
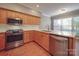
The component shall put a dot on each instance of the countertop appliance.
(14, 38)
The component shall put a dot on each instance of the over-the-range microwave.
(14, 21)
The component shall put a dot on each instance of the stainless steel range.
(14, 38)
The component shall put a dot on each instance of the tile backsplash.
(30, 27)
(4, 27)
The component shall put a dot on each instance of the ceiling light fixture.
(37, 5)
(63, 10)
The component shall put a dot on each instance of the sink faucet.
(48, 27)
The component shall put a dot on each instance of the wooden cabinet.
(2, 41)
(11, 14)
(24, 18)
(35, 20)
(3, 16)
(27, 19)
(28, 36)
(45, 41)
(32, 20)
(58, 46)
(42, 39)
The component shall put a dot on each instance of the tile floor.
(29, 49)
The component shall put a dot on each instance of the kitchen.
(27, 31)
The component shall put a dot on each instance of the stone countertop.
(58, 33)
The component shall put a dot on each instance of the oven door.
(13, 38)
(13, 41)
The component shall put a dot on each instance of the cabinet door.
(37, 37)
(19, 15)
(58, 46)
(42, 39)
(36, 20)
(24, 18)
(28, 36)
(2, 41)
(11, 14)
(45, 41)
(3, 16)
(31, 20)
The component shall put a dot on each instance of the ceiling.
(50, 9)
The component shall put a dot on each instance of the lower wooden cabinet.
(42, 39)
(2, 41)
(27, 36)
(45, 41)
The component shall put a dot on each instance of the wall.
(4, 27)
(45, 22)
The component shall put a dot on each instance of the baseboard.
(28, 42)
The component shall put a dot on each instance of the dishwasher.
(58, 46)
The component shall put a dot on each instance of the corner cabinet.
(28, 36)
(42, 39)
(2, 41)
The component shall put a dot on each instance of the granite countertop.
(59, 33)
(64, 33)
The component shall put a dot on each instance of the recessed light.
(37, 5)
(63, 10)
(32, 10)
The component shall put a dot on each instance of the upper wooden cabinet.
(11, 14)
(3, 16)
(27, 19)
(24, 18)
(35, 20)
(31, 20)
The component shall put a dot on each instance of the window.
(63, 24)
(67, 24)
(57, 24)
(76, 23)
